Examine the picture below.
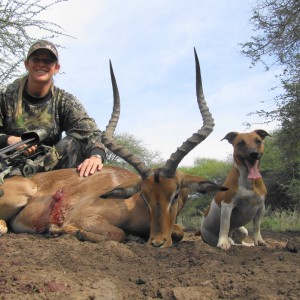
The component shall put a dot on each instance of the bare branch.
(17, 18)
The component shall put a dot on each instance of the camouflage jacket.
(61, 112)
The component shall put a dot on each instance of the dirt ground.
(41, 267)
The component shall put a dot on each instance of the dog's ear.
(262, 133)
(230, 137)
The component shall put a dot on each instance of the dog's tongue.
(253, 171)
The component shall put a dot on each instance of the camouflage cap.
(43, 44)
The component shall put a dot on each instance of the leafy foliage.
(277, 23)
(136, 146)
(280, 168)
(281, 220)
(277, 43)
(211, 169)
(17, 18)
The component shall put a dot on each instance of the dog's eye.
(258, 142)
(241, 144)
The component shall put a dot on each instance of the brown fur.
(244, 200)
(61, 202)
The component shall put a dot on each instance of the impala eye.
(175, 198)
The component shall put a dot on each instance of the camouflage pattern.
(42, 44)
(63, 113)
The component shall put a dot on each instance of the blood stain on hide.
(57, 208)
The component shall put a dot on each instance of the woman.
(33, 102)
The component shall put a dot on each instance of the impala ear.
(124, 190)
(207, 187)
(202, 185)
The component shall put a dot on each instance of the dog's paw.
(260, 242)
(224, 243)
(247, 244)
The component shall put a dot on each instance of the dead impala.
(62, 202)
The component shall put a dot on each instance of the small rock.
(293, 245)
(140, 281)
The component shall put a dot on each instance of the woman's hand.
(90, 165)
(15, 139)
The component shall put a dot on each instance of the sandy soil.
(41, 267)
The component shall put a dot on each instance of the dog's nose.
(254, 155)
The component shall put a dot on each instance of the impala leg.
(115, 234)
(105, 232)
(53, 229)
(97, 229)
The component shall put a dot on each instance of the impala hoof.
(81, 236)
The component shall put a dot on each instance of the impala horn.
(107, 135)
(172, 163)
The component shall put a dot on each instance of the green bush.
(281, 220)
(212, 169)
(277, 221)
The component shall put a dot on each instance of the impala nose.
(157, 243)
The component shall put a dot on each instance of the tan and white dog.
(244, 201)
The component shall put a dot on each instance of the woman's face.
(41, 66)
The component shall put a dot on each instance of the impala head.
(164, 190)
(163, 197)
